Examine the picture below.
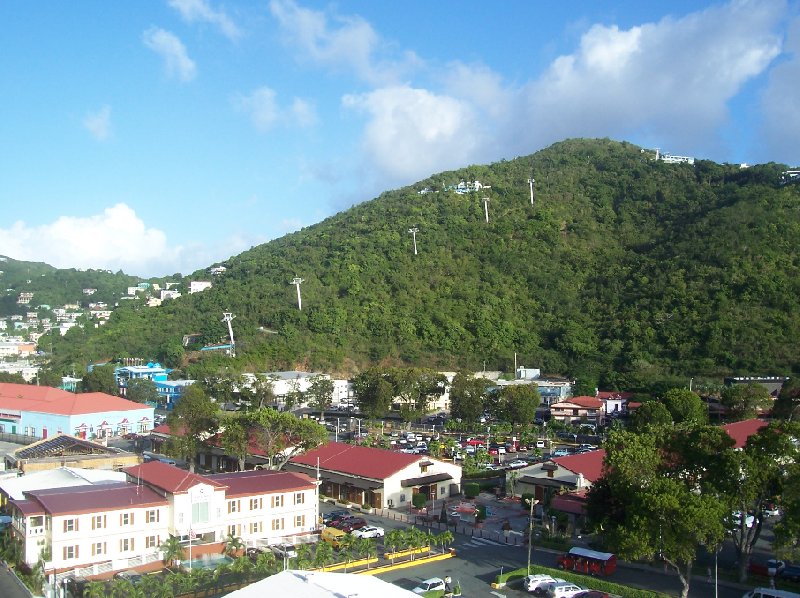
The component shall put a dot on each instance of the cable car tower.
(228, 317)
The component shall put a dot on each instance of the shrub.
(472, 489)
(419, 500)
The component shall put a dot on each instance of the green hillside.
(623, 270)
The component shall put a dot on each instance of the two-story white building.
(92, 530)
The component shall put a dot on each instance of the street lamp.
(530, 532)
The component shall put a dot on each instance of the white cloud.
(780, 104)
(413, 131)
(673, 78)
(114, 239)
(99, 123)
(264, 111)
(171, 49)
(200, 10)
(349, 43)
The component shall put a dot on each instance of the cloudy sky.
(163, 136)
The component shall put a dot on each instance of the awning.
(425, 480)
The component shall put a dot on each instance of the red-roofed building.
(92, 530)
(378, 477)
(41, 411)
(572, 473)
(741, 431)
(578, 410)
(615, 403)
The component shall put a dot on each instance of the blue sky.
(163, 136)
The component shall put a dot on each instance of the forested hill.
(625, 268)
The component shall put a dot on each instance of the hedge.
(583, 581)
(472, 489)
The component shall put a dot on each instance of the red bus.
(591, 562)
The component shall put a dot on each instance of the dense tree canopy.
(468, 397)
(685, 406)
(625, 270)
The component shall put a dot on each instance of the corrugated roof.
(355, 460)
(589, 464)
(243, 483)
(741, 431)
(584, 401)
(60, 477)
(91, 499)
(44, 399)
(167, 477)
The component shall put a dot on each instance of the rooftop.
(168, 477)
(61, 477)
(741, 431)
(44, 399)
(246, 483)
(585, 401)
(355, 460)
(90, 499)
(589, 464)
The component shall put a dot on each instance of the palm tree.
(323, 555)
(172, 550)
(446, 538)
(393, 540)
(416, 539)
(233, 545)
(366, 548)
(95, 589)
(265, 562)
(347, 545)
(303, 558)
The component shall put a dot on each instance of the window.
(180, 517)
(300, 521)
(126, 519)
(98, 522)
(423, 468)
(402, 498)
(442, 491)
(256, 504)
(126, 545)
(37, 521)
(70, 552)
(299, 498)
(234, 530)
(152, 516)
(98, 548)
(277, 524)
(255, 527)
(277, 500)
(151, 542)
(70, 525)
(234, 506)
(200, 512)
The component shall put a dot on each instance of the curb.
(406, 564)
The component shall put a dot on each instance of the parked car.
(284, 550)
(132, 576)
(538, 582)
(517, 463)
(790, 572)
(368, 531)
(559, 452)
(770, 593)
(562, 589)
(348, 525)
(329, 518)
(768, 568)
(540, 444)
(429, 585)
(771, 510)
(592, 594)
(736, 519)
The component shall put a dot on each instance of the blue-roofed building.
(172, 390)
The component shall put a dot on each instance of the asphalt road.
(480, 560)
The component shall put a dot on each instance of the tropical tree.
(233, 545)
(415, 388)
(373, 392)
(282, 435)
(320, 393)
(95, 589)
(171, 551)
(323, 555)
(445, 539)
(517, 403)
(468, 397)
(650, 414)
(394, 540)
(142, 390)
(787, 405)
(685, 406)
(193, 420)
(100, 379)
(236, 436)
(745, 400)
(365, 547)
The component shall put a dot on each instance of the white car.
(429, 585)
(368, 531)
(538, 582)
(562, 589)
(517, 463)
(736, 520)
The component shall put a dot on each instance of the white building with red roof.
(377, 477)
(578, 410)
(92, 530)
(42, 411)
(572, 473)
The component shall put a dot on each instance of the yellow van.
(333, 536)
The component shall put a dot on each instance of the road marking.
(498, 594)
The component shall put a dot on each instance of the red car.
(348, 525)
(592, 594)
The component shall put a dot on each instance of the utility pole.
(297, 281)
(414, 232)
(530, 532)
(531, 181)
